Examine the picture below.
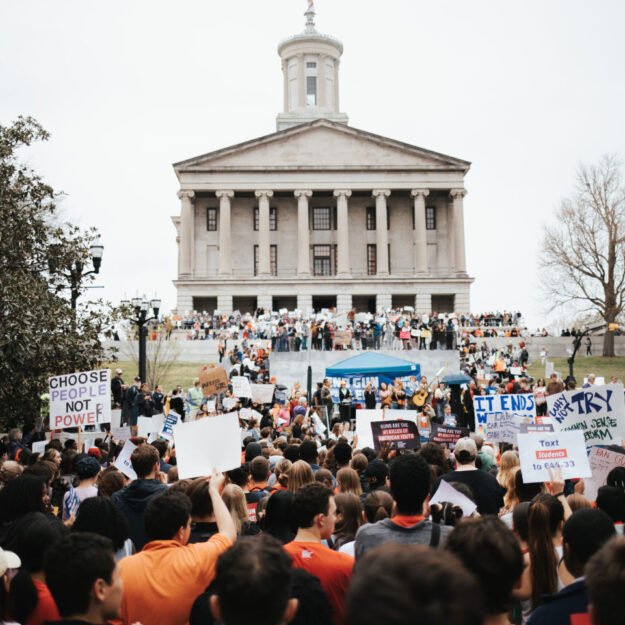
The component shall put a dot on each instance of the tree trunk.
(608, 344)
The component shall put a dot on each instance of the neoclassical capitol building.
(319, 214)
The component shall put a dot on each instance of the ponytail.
(543, 562)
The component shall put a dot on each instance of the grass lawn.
(606, 367)
(182, 373)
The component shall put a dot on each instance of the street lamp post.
(141, 319)
(76, 274)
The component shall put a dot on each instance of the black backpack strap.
(435, 536)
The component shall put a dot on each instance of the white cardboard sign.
(262, 393)
(446, 492)
(364, 418)
(79, 399)
(207, 443)
(241, 386)
(540, 452)
(148, 425)
(123, 460)
(598, 411)
(601, 461)
(39, 447)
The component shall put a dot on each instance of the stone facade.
(297, 218)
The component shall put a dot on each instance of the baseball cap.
(8, 560)
(118, 371)
(87, 467)
(465, 449)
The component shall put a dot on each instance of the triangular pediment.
(322, 145)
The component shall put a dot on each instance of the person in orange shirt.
(314, 512)
(163, 580)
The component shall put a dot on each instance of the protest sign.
(535, 428)
(241, 386)
(502, 427)
(402, 434)
(207, 443)
(213, 381)
(39, 447)
(245, 413)
(229, 402)
(447, 493)
(540, 452)
(78, 399)
(446, 434)
(343, 337)
(147, 425)
(599, 411)
(262, 393)
(123, 460)
(522, 404)
(281, 397)
(121, 434)
(548, 369)
(365, 417)
(168, 426)
(601, 461)
(116, 418)
(210, 406)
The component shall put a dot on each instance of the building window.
(211, 219)
(273, 260)
(273, 218)
(371, 218)
(321, 218)
(322, 260)
(372, 267)
(311, 91)
(389, 258)
(430, 218)
(311, 64)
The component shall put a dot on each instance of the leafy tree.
(583, 255)
(41, 335)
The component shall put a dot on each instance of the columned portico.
(264, 257)
(420, 239)
(381, 232)
(457, 196)
(225, 234)
(187, 238)
(303, 235)
(342, 227)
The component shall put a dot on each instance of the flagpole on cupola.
(310, 17)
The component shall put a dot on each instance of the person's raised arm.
(225, 524)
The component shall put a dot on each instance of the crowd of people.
(389, 329)
(312, 527)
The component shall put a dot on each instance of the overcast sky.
(525, 91)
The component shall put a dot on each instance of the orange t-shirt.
(162, 581)
(46, 609)
(334, 570)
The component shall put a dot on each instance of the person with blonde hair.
(507, 467)
(348, 481)
(281, 475)
(299, 474)
(234, 498)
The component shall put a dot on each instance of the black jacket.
(132, 501)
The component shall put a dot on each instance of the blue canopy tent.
(370, 368)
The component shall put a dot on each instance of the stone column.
(461, 263)
(304, 302)
(225, 235)
(381, 233)
(336, 85)
(343, 302)
(451, 236)
(303, 234)
(342, 231)
(420, 239)
(301, 73)
(285, 71)
(224, 304)
(187, 232)
(321, 80)
(264, 259)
